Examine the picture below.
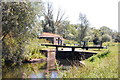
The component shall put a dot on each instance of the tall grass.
(102, 65)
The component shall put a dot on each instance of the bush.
(16, 50)
(12, 49)
(106, 38)
(32, 49)
(96, 41)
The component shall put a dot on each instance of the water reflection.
(36, 70)
(54, 74)
(30, 70)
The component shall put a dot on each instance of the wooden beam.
(73, 47)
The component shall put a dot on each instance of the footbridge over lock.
(70, 52)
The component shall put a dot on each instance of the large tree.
(82, 29)
(51, 24)
(18, 18)
(18, 24)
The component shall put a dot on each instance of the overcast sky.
(99, 12)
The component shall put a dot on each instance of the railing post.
(84, 43)
(56, 48)
(73, 49)
(101, 44)
(86, 48)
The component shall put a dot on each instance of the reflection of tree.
(21, 71)
(35, 67)
(30, 70)
(47, 74)
(10, 71)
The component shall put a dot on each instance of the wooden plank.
(86, 47)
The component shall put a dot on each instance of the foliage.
(12, 49)
(117, 38)
(72, 32)
(18, 21)
(88, 38)
(21, 71)
(18, 18)
(106, 38)
(84, 24)
(96, 41)
(32, 49)
(105, 30)
(50, 24)
(64, 29)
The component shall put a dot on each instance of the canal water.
(52, 68)
(48, 69)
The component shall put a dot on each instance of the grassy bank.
(102, 65)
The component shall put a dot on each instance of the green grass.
(70, 42)
(102, 65)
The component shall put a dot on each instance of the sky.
(99, 12)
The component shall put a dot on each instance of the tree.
(60, 22)
(106, 30)
(106, 38)
(63, 29)
(96, 36)
(84, 24)
(19, 19)
(96, 41)
(71, 32)
(49, 24)
(117, 38)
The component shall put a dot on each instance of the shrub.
(106, 38)
(12, 49)
(16, 50)
(32, 49)
(96, 41)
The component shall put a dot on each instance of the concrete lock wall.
(73, 55)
